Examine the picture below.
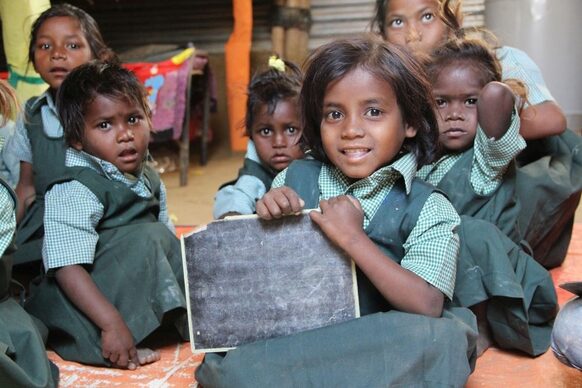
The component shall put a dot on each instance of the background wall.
(550, 32)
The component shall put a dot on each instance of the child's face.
(415, 24)
(60, 47)
(276, 136)
(362, 128)
(456, 91)
(116, 130)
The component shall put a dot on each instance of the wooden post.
(237, 59)
(278, 32)
(297, 35)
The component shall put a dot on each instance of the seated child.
(479, 139)
(549, 177)
(368, 123)
(113, 264)
(478, 134)
(23, 359)
(274, 127)
(62, 38)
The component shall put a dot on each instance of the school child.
(368, 124)
(62, 38)
(549, 180)
(478, 134)
(479, 139)
(23, 359)
(273, 125)
(113, 264)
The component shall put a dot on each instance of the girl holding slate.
(369, 123)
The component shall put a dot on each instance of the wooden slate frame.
(275, 290)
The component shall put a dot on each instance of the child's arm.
(494, 107)
(25, 191)
(341, 220)
(279, 202)
(542, 120)
(116, 339)
(239, 198)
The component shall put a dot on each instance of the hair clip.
(277, 63)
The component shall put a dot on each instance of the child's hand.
(494, 107)
(279, 202)
(341, 219)
(117, 346)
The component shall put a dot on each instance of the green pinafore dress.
(384, 347)
(23, 359)
(48, 164)
(250, 167)
(137, 266)
(501, 208)
(549, 182)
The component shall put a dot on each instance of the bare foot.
(147, 356)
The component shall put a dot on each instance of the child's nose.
(58, 53)
(352, 130)
(126, 134)
(279, 140)
(413, 33)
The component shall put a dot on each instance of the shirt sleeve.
(279, 179)
(164, 216)
(492, 157)
(7, 219)
(240, 197)
(18, 146)
(518, 65)
(432, 247)
(72, 213)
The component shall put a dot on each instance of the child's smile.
(117, 131)
(362, 128)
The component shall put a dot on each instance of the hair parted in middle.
(386, 62)
(85, 83)
(268, 87)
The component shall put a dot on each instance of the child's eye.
(471, 101)
(440, 102)
(104, 125)
(44, 46)
(265, 131)
(133, 120)
(291, 130)
(395, 23)
(373, 112)
(427, 17)
(333, 115)
(73, 46)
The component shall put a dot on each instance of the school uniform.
(38, 140)
(116, 226)
(23, 359)
(549, 175)
(241, 195)
(493, 267)
(384, 347)
(480, 181)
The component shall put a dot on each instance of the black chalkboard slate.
(250, 279)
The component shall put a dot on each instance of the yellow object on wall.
(17, 19)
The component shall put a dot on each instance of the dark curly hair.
(92, 79)
(387, 62)
(88, 25)
(270, 86)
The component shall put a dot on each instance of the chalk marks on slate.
(249, 279)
